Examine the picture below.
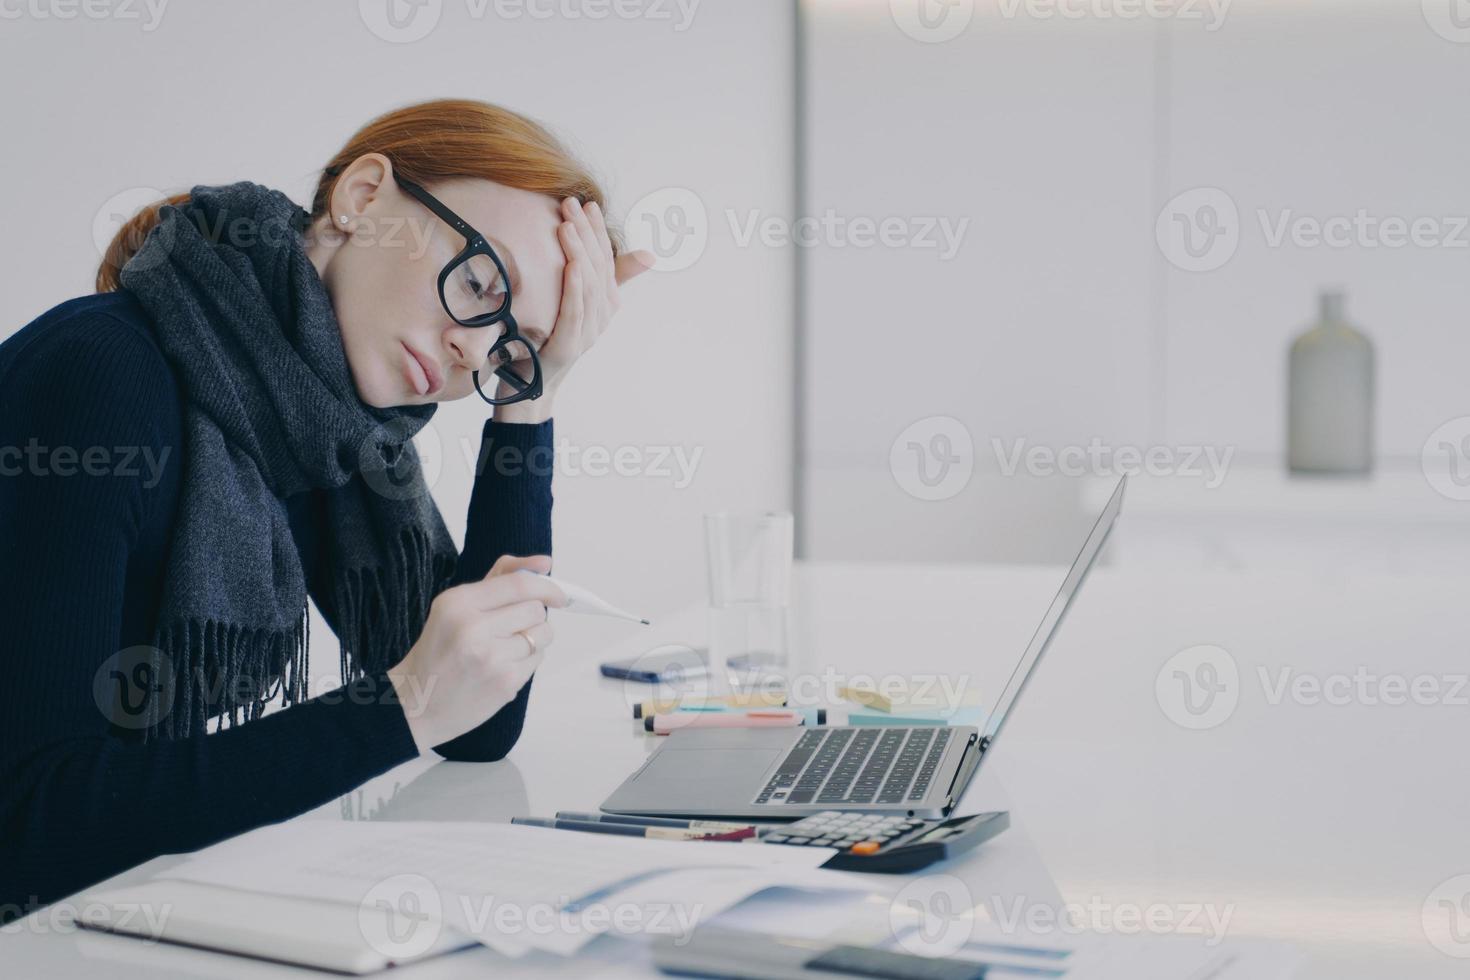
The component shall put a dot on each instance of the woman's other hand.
(480, 644)
(591, 281)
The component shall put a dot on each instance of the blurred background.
(929, 271)
(932, 273)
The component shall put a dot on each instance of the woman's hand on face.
(591, 281)
(473, 654)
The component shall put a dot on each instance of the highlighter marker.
(752, 699)
(761, 718)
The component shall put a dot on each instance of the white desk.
(1325, 825)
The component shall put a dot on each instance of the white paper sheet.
(513, 888)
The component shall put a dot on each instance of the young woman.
(223, 430)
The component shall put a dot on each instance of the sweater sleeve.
(510, 514)
(82, 798)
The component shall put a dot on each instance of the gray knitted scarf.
(270, 411)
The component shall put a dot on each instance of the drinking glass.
(749, 559)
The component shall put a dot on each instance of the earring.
(343, 219)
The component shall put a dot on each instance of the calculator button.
(777, 838)
(798, 840)
(866, 847)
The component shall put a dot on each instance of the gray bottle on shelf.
(1330, 395)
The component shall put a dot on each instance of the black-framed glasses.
(475, 290)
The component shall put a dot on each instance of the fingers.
(542, 635)
(568, 329)
(604, 242)
(499, 636)
(633, 264)
(497, 591)
(520, 671)
(598, 249)
(512, 619)
(540, 564)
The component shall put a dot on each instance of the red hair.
(428, 142)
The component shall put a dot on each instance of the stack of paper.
(513, 888)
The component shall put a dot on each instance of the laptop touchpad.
(707, 765)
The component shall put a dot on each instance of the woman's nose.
(468, 347)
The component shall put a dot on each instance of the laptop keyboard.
(834, 766)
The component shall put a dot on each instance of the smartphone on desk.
(672, 663)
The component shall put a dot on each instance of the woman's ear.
(363, 182)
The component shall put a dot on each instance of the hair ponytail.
(427, 142)
(127, 241)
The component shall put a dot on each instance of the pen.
(754, 718)
(713, 702)
(579, 600)
(633, 830)
(709, 826)
(808, 715)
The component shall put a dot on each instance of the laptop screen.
(1041, 639)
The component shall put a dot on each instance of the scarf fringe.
(381, 611)
(232, 673)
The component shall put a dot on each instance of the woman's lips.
(423, 375)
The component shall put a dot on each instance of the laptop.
(788, 773)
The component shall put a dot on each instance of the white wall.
(1061, 138)
(267, 91)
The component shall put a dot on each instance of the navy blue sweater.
(90, 475)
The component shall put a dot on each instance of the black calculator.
(887, 843)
